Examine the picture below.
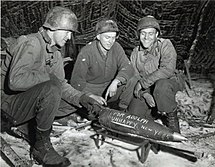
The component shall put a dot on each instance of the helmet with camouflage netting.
(60, 18)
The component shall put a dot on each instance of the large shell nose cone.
(178, 137)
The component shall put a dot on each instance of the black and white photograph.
(107, 83)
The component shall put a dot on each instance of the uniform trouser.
(41, 102)
(127, 93)
(164, 92)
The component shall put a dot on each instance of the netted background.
(189, 24)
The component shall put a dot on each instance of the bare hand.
(149, 99)
(99, 99)
(111, 91)
(137, 89)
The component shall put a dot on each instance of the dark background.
(189, 24)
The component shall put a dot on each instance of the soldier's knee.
(53, 86)
(161, 84)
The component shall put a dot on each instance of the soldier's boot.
(44, 153)
(172, 121)
(6, 121)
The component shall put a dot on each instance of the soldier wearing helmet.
(37, 83)
(60, 23)
(154, 84)
(102, 67)
(106, 25)
(60, 18)
(148, 22)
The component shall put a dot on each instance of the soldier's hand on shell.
(99, 99)
(87, 102)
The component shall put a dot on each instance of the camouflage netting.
(189, 24)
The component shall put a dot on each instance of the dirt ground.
(80, 148)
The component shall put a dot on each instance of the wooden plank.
(12, 155)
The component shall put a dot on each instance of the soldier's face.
(107, 39)
(61, 36)
(148, 36)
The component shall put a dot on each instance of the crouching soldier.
(155, 82)
(34, 86)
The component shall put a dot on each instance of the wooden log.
(12, 156)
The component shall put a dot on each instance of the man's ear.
(98, 36)
(157, 33)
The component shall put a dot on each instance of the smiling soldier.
(154, 84)
(102, 67)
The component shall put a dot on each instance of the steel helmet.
(148, 22)
(106, 25)
(60, 18)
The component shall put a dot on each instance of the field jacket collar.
(47, 40)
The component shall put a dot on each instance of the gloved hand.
(99, 99)
(87, 102)
(97, 109)
(92, 106)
